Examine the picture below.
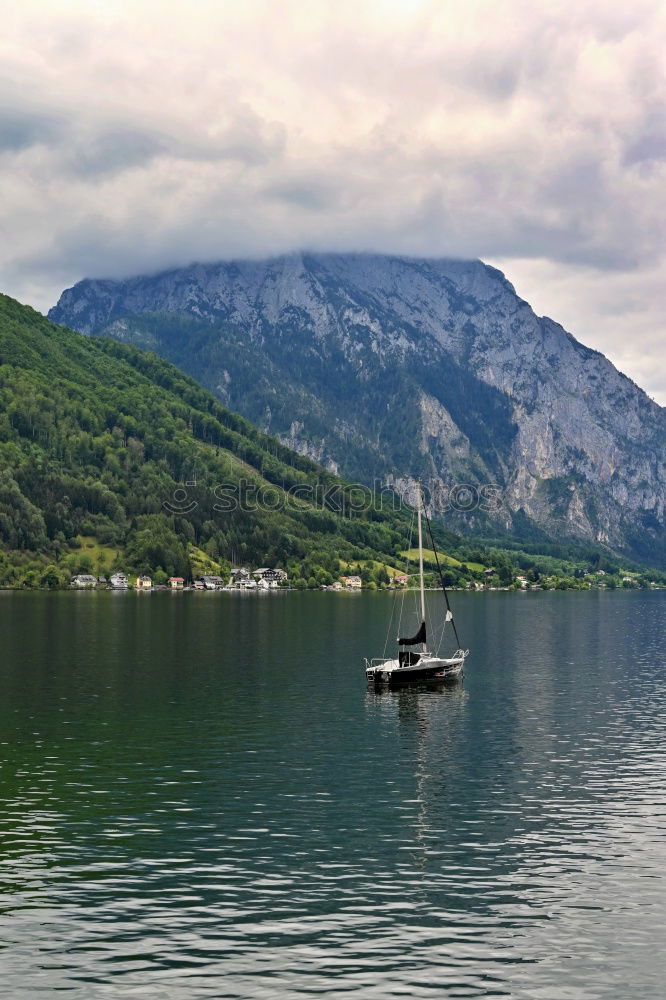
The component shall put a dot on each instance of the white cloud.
(140, 135)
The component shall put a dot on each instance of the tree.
(51, 577)
(155, 545)
(85, 563)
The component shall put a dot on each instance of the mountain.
(395, 369)
(96, 442)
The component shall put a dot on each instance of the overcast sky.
(140, 135)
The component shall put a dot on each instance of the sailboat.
(410, 665)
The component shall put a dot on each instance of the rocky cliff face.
(396, 369)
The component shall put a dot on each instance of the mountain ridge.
(402, 368)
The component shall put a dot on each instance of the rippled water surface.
(199, 798)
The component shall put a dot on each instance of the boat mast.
(441, 577)
(423, 614)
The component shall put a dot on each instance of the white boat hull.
(427, 667)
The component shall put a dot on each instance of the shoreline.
(329, 590)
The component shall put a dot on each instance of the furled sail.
(416, 639)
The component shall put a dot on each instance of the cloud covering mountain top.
(140, 136)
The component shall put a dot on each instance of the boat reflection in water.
(430, 720)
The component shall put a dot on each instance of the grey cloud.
(249, 139)
(309, 193)
(98, 149)
(495, 75)
(19, 131)
(245, 139)
(112, 150)
(650, 143)
(93, 146)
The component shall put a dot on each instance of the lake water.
(200, 798)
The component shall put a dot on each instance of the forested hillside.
(95, 438)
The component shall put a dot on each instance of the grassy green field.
(444, 560)
(103, 558)
(202, 564)
(371, 564)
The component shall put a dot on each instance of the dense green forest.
(96, 437)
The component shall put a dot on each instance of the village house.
(82, 580)
(176, 582)
(351, 582)
(239, 577)
(144, 582)
(401, 579)
(212, 582)
(275, 576)
(118, 581)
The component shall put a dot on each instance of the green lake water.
(200, 798)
